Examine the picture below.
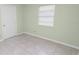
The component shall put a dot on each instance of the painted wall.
(20, 18)
(0, 25)
(66, 23)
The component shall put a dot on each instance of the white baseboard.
(11, 37)
(1, 40)
(69, 45)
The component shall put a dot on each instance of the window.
(46, 15)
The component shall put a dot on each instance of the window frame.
(46, 16)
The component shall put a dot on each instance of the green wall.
(20, 18)
(66, 23)
(0, 25)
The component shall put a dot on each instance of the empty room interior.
(39, 29)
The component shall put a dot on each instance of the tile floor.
(29, 45)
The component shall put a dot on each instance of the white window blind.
(46, 15)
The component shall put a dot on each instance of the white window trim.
(50, 22)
